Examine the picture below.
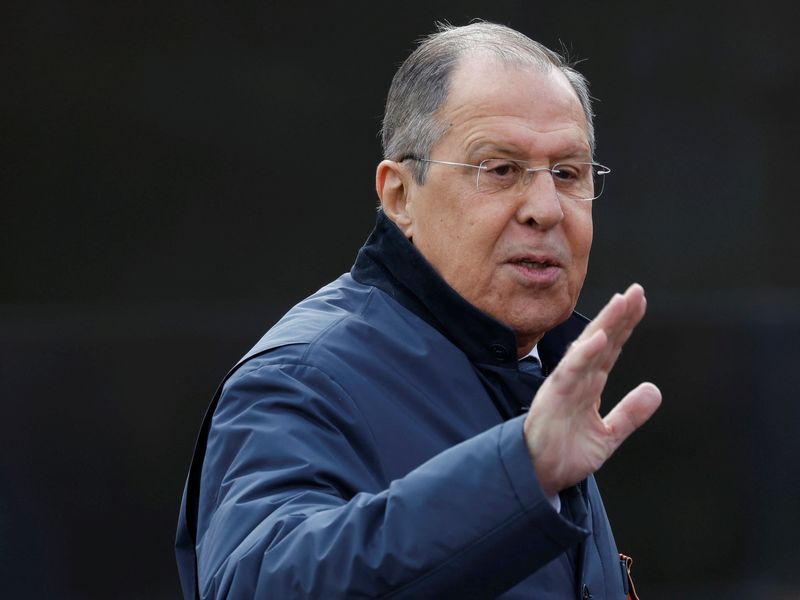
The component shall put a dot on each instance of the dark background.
(175, 175)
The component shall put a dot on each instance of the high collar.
(390, 262)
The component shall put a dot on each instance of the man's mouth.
(535, 263)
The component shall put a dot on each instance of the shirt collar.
(389, 261)
(534, 353)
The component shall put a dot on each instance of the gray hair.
(420, 86)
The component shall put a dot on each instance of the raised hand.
(566, 436)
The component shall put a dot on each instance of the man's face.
(521, 258)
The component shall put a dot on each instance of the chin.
(535, 323)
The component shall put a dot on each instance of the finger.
(636, 305)
(631, 413)
(621, 335)
(608, 316)
(579, 360)
(616, 320)
(620, 313)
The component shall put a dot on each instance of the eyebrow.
(580, 154)
(493, 147)
(512, 151)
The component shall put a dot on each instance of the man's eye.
(567, 172)
(502, 169)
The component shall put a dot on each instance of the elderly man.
(393, 435)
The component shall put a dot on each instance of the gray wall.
(156, 219)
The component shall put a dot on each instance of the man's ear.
(392, 182)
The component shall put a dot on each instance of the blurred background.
(174, 176)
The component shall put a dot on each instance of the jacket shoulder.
(341, 318)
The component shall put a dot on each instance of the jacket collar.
(390, 262)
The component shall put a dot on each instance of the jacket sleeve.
(294, 504)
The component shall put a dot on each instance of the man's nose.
(540, 205)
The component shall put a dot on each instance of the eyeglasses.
(581, 181)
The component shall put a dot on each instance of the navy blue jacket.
(371, 446)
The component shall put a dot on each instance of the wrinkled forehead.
(484, 80)
(488, 92)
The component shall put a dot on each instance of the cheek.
(581, 232)
(457, 226)
(440, 232)
(580, 236)
(586, 244)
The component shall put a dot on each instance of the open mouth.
(531, 263)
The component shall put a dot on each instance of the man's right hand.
(567, 438)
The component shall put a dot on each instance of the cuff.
(519, 468)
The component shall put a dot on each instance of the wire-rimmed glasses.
(581, 181)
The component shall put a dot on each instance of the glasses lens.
(496, 174)
(579, 181)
